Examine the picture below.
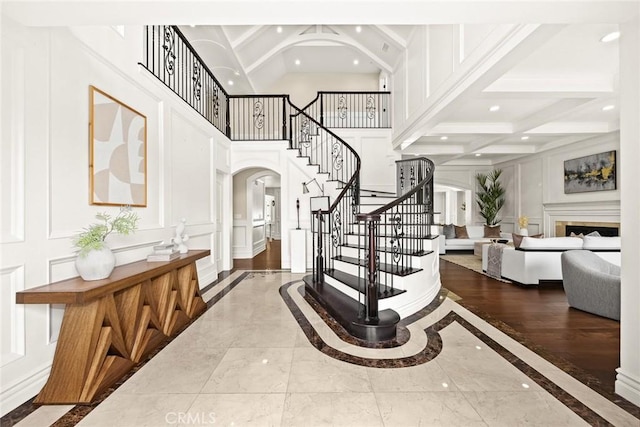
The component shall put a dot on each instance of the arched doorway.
(256, 219)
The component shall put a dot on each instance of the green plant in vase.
(490, 196)
(95, 260)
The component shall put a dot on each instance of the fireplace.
(565, 228)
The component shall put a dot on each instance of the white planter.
(524, 232)
(97, 264)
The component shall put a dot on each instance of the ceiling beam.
(391, 36)
(500, 52)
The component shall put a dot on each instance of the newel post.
(371, 290)
(319, 258)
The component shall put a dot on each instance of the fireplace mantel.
(601, 212)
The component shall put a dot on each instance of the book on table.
(156, 257)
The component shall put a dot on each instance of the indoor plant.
(490, 196)
(95, 260)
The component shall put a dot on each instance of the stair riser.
(385, 257)
(354, 239)
(384, 278)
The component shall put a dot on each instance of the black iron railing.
(259, 117)
(351, 109)
(172, 59)
(395, 233)
(341, 164)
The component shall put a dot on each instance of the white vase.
(524, 232)
(96, 264)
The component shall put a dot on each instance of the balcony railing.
(170, 57)
(351, 109)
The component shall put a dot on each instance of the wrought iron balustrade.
(396, 233)
(258, 117)
(351, 109)
(341, 164)
(170, 57)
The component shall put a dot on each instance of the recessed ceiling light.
(608, 107)
(356, 62)
(478, 154)
(192, 25)
(358, 29)
(230, 82)
(444, 138)
(279, 29)
(297, 61)
(610, 37)
(524, 138)
(494, 108)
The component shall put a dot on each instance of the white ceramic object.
(97, 264)
(524, 232)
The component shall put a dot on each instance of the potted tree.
(490, 196)
(95, 260)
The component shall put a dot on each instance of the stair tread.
(385, 249)
(385, 268)
(357, 283)
(350, 313)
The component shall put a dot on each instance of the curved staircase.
(375, 257)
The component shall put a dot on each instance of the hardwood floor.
(542, 319)
(268, 259)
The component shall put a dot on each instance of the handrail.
(395, 232)
(356, 174)
(351, 109)
(419, 186)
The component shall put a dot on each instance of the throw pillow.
(492, 231)
(594, 233)
(461, 232)
(576, 235)
(517, 238)
(448, 231)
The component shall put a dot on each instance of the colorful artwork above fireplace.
(596, 172)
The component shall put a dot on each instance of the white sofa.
(476, 234)
(538, 260)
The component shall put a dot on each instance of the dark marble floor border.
(434, 347)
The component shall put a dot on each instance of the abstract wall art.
(596, 172)
(118, 152)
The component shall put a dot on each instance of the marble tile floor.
(261, 355)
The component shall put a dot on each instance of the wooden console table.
(110, 325)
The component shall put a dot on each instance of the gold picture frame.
(117, 152)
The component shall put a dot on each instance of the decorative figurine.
(298, 209)
(181, 237)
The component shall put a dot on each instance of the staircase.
(375, 257)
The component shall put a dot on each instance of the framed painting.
(117, 153)
(596, 172)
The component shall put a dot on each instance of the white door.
(219, 223)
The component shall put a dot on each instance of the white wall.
(45, 78)
(535, 188)
(628, 377)
(378, 159)
(303, 87)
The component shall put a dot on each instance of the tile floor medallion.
(264, 354)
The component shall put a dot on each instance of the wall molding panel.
(12, 315)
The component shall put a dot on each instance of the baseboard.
(628, 387)
(18, 393)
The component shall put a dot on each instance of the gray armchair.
(591, 283)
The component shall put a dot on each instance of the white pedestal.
(298, 251)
